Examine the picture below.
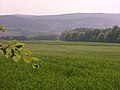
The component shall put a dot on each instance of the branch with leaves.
(16, 51)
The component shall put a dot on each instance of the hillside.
(31, 24)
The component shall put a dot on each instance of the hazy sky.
(45, 7)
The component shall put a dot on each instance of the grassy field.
(64, 66)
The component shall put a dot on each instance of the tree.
(81, 36)
(74, 36)
(100, 37)
(92, 35)
(116, 27)
(112, 35)
(68, 36)
(15, 51)
(115, 33)
(62, 37)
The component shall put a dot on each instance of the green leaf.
(16, 58)
(19, 46)
(15, 51)
(4, 51)
(2, 29)
(34, 59)
(12, 53)
(26, 52)
(8, 53)
(35, 66)
(1, 44)
(13, 42)
(26, 59)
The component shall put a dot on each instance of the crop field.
(64, 66)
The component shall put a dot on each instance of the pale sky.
(48, 7)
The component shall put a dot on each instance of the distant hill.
(31, 24)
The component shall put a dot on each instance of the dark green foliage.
(74, 36)
(68, 36)
(100, 37)
(45, 37)
(93, 35)
(32, 37)
(63, 34)
(81, 36)
(108, 36)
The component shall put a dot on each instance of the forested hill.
(29, 24)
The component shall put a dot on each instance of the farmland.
(64, 66)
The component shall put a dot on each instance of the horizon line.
(60, 13)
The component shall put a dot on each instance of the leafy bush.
(15, 51)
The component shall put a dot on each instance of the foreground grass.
(64, 66)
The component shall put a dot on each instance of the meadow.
(64, 66)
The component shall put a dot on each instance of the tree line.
(78, 34)
(34, 37)
(92, 35)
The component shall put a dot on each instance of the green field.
(64, 66)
